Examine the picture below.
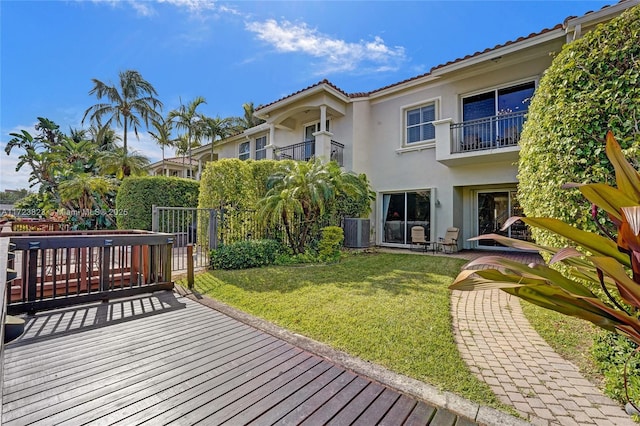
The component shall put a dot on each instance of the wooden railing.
(6, 275)
(63, 268)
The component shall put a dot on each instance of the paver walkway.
(503, 350)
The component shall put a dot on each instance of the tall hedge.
(234, 183)
(137, 195)
(592, 85)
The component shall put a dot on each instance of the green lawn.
(392, 309)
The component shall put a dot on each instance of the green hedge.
(592, 86)
(137, 195)
(235, 184)
(246, 254)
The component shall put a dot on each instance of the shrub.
(137, 195)
(590, 87)
(246, 254)
(611, 351)
(330, 244)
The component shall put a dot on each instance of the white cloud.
(9, 178)
(336, 54)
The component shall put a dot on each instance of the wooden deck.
(164, 359)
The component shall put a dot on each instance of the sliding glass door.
(494, 208)
(403, 210)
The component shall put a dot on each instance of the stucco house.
(440, 149)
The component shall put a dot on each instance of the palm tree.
(188, 119)
(162, 136)
(104, 137)
(133, 102)
(217, 128)
(248, 120)
(85, 190)
(301, 192)
(121, 163)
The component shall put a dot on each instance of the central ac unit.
(356, 233)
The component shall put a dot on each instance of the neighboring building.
(176, 166)
(440, 149)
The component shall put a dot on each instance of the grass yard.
(391, 309)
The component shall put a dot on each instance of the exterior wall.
(392, 165)
(372, 129)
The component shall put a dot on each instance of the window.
(496, 117)
(404, 210)
(498, 102)
(419, 123)
(261, 151)
(245, 151)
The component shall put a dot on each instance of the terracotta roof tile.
(325, 81)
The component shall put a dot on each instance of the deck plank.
(120, 372)
(378, 408)
(163, 358)
(421, 415)
(297, 399)
(337, 402)
(357, 406)
(298, 414)
(399, 412)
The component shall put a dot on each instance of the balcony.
(306, 150)
(485, 140)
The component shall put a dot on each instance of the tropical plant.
(128, 105)
(187, 118)
(301, 192)
(248, 119)
(121, 163)
(217, 128)
(89, 195)
(162, 136)
(37, 152)
(603, 283)
(104, 137)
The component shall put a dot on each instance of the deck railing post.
(154, 218)
(213, 229)
(190, 280)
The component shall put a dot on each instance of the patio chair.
(417, 238)
(449, 242)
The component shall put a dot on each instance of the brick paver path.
(502, 349)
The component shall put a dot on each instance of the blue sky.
(233, 52)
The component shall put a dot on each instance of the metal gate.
(191, 226)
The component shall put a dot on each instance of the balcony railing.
(487, 133)
(337, 150)
(306, 150)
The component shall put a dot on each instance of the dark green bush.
(330, 244)
(137, 195)
(246, 254)
(610, 352)
(592, 86)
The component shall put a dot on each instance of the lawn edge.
(375, 372)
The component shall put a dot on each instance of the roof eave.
(264, 112)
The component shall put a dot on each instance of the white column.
(270, 143)
(323, 118)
